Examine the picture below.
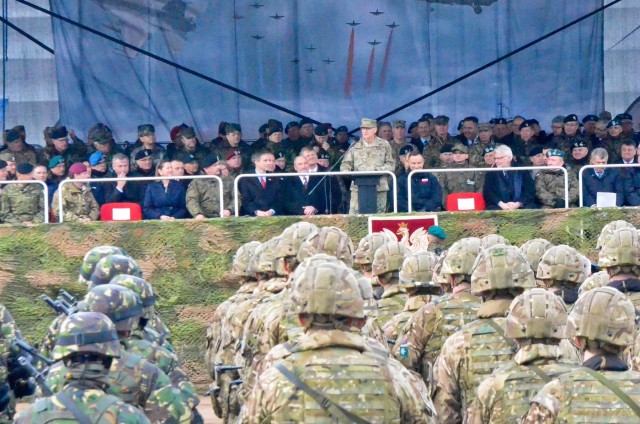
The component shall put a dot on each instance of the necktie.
(305, 182)
(263, 181)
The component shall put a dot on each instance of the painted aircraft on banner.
(475, 4)
(136, 20)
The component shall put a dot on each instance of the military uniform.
(476, 154)
(391, 303)
(8, 332)
(460, 182)
(431, 152)
(157, 153)
(77, 203)
(364, 156)
(27, 155)
(398, 323)
(22, 204)
(203, 197)
(550, 188)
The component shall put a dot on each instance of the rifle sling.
(500, 331)
(73, 408)
(334, 410)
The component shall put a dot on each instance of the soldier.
(233, 143)
(416, 276)
(470, 355)
(203, 195)
(491, 240)
(147, 141)
(363, 256)
(430, 326)
(22, 203)
(571, 134)
(620, 257)
(78, 202)
(370, 153)
(536, 321)
(460, 182)
(609, 229)
(111, 266)
(190, 145)
(386, 265)
(318, 369)
(87, 344)
(534, 249)
(441, 138)
(550, 183)
(561, 272)
(485, 145)
(602, 389)
(16, 143)
(12, 374)
(598, 279)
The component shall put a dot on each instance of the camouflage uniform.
(431, 152)
(602, 317)
(203, 197)
(8, 332)
(534, 250)
(110, 267)
(550, 187)
(77, 203)
(328, 359)
(561, 272)
(476, 154)
(387, 262)
(537, 319)
(85, 388)
(362, 156)
(22, 204)
(471, 354)
(363, 256)
(460, 182)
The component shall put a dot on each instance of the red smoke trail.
(370, 70)
(347, 80)
(385, 64)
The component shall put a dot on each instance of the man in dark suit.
(601, 180)
(508, 190)
(260, 194)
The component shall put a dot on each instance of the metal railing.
(453, 170)
(309, 174)
(45, 194)
(130, 179)
(613, 165)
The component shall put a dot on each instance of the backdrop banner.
(332, 60)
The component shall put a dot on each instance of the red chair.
(124, 211)
(465, 202)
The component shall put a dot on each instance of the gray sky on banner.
(255, 48)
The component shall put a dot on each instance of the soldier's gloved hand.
(558, 203)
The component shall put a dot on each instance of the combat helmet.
(92, 257)
(492, 239)
(313, 261)
(241, 259)
(536, 314)
(368, 246)
(389, 257)
(112, 265)
(417, 270)
(561, 263)
(534, 249)
(87, 332)
(608, 229)
(599, 279)
(438, 276)
(266, 260)
(292, 237)
(330, 240)
(327, 289)
(142, 288)
(603, 314)
(120, 304)
(622, 247)
(461, 256)
(501, 267)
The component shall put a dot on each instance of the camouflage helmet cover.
(599, 279)
(241, 259)
(112, 265)
(142, 288)
(368, 246)
(389, 257)
(608, 229)
(534, 250)
(329, 240)
(622, 247)
(492, 239)
(501, 267)
(604, 314)
(92, 257)
(561, 263)
(292, 237)
(418, 269)
(461, 256)
(328, 289)
(536, 314)
(120, 304)
(266, 259)
(87, 332)
(438, 276)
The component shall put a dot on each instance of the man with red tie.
(260, 194)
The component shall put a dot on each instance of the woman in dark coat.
(165, 200)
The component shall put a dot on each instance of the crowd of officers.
(300, 147)
(483, 332)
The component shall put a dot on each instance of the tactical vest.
(590, 401)
(389, 307)
(488, 350)
(46, 411)
(401, 320)
(358, 382)
(520, 385)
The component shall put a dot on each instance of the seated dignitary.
(508, 190)
(203, 195)
(78, 202)
(260, 194)
(165, 200)
(22, 203)
(601, 180)
(426, 194)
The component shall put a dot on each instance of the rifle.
(216, 391)
(391, 341)
(221, 369)
(70, 299)
(25, 347)
(36, 375)
(55, 305)
(64, 303)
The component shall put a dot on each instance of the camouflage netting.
(188, 262)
